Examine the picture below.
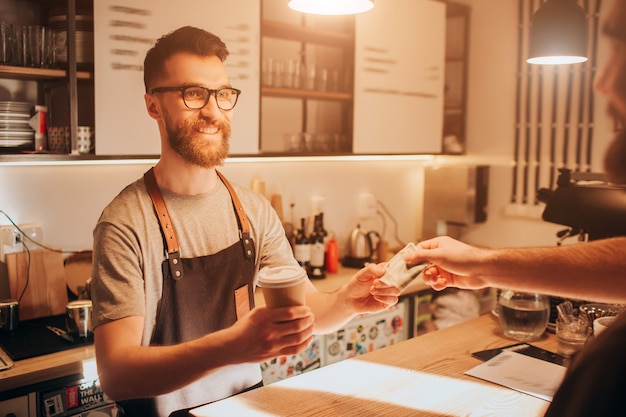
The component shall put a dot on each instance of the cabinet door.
(399, 77)
(123, 34)
(18, 406)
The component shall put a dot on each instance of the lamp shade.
(331, 7)
(558, 34)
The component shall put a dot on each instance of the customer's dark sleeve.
(594, 383)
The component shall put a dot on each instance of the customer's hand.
(454, 263)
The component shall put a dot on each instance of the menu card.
(523, 373)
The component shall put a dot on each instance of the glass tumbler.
(523, 316)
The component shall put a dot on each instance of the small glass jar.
(523, 316)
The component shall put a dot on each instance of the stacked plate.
(15, 131)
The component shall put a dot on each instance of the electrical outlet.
(12, 240)
(8, 241)
(366, 207)
(33, 232)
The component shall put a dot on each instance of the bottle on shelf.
(302, 247)
(317, 264)
(332, 255)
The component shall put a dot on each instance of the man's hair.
(185, 39)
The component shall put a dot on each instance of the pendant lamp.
(331, 7)
(558, 34)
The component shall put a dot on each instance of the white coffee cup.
(283, 286)
(601, 323)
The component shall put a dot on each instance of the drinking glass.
(572, 335)
(523, 316)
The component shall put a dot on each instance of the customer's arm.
(590, 271)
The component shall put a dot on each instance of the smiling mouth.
(208, 130)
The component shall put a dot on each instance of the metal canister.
(9, 315)
(79, 318)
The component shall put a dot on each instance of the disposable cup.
(601, 323)
(283, 286)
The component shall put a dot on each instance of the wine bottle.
(317, 264)
(302, 247)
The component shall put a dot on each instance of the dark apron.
(200, 295)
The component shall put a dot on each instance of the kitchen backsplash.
(67, 200)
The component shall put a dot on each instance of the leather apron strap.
(244, 225)
(173, 249)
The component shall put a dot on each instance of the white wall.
(66, 200)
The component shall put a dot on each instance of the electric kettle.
(362, 246)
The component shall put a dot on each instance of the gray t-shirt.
(129, 250)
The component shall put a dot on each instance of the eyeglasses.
(196, 97)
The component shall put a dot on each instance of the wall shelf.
(306, 34)
(305, 94)
(39, 74)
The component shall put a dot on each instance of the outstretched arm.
(590, 271)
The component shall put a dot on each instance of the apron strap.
(173, 248)
(244, 225)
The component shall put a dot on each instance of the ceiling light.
(331, 7)
(558, 34)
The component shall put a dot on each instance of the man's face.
(611, 81)
(199, 136)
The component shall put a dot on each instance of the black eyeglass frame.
(208, 97)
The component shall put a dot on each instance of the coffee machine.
(590, 207)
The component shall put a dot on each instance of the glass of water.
(523, 316)
(572, 335)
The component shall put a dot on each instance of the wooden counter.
(47, 367)
(73, 361)
(423, 376)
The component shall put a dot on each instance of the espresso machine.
(589, 207)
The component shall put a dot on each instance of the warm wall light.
(558, 34)
(331, 7)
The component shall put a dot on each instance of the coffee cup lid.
(281, 276)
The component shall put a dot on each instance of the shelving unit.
(68, 79)
(455, 95)
(291, 36)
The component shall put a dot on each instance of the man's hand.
(265, 333)
(367, 293)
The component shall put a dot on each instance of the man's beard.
(205, 154)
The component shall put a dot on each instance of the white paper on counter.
(522, 373)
